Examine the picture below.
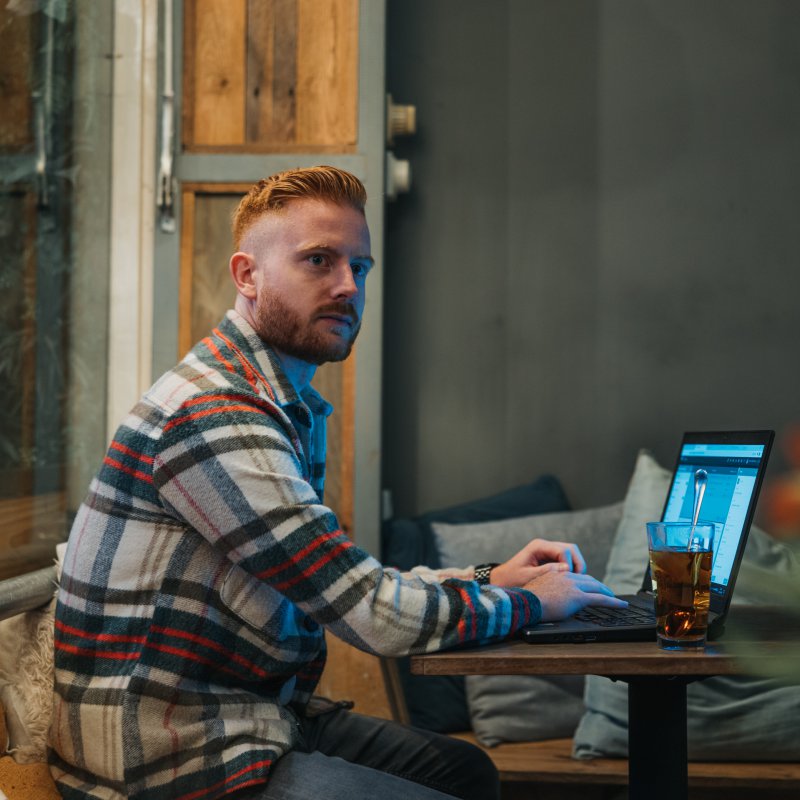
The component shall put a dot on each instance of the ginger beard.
(281, 327)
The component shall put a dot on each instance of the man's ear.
(243, 269)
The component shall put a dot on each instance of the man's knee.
(477, 773)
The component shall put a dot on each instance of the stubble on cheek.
(282, 327)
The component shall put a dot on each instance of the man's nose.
(344, 282)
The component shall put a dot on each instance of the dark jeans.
(347, 756)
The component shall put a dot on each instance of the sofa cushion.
(26, 682)
(409, 542)
(591, 529)
(729, 718)
(439, 703)
(524, 708)
(514, 708)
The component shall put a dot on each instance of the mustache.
(343, 309)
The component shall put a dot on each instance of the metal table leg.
(657, 764)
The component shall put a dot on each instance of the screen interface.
(732, 471)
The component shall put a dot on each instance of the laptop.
(735, 463)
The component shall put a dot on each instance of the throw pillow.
(26, 677)
(409, 543)
(513, 708)
(592, 530)
(26, 666)
(729, 718)
(439, 703)
(524, 708)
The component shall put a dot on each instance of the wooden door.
(266, 85)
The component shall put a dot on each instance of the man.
(203, 566)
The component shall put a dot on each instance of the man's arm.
(228, 470)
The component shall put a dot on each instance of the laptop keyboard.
(610, 617)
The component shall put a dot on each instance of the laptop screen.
(734, 475)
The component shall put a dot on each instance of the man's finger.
(567, 553)
(578, 560)
(608, 602)
(587, 583)
(543, 569)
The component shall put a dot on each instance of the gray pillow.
(514, 708)
(524, 708)
(729, 718)
(478, 543)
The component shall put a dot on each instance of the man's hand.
(537, 558)
(563, 594)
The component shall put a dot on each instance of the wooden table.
(657, 680)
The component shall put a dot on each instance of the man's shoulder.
(193, 399)
(196, 375)
(214, 384)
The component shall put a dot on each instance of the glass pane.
(55, 92)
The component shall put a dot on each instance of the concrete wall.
(600, 248)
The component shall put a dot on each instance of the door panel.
(207, 290)
(270, 75)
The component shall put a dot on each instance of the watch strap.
(483, 573)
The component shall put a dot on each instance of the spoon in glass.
(700, 483)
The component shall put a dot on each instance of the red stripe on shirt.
(114, 655)
(208, 789)
(132, 453)
(179, 651)
(315, 567)
(173, 423)
(212, 645)
(215, 351)
(515, 611)
(521, 609)
(462, 623)
(99, 637)
(135, 473)
(251, 782)
(252, 375)
(301, 554)
(257, 403)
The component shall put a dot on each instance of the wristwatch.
(483, 572)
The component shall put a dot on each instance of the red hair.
(313, 183)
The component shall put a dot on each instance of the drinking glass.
(680, 567)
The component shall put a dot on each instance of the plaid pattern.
(200, 572)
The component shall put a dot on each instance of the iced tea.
(683, 591)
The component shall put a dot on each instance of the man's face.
(312, 262)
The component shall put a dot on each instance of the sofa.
(731, 720)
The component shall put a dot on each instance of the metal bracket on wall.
(398, 176)
(401, 120)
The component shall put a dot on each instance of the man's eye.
(359, 270)
(317, 260)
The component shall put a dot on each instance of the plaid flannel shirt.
(199, 575)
